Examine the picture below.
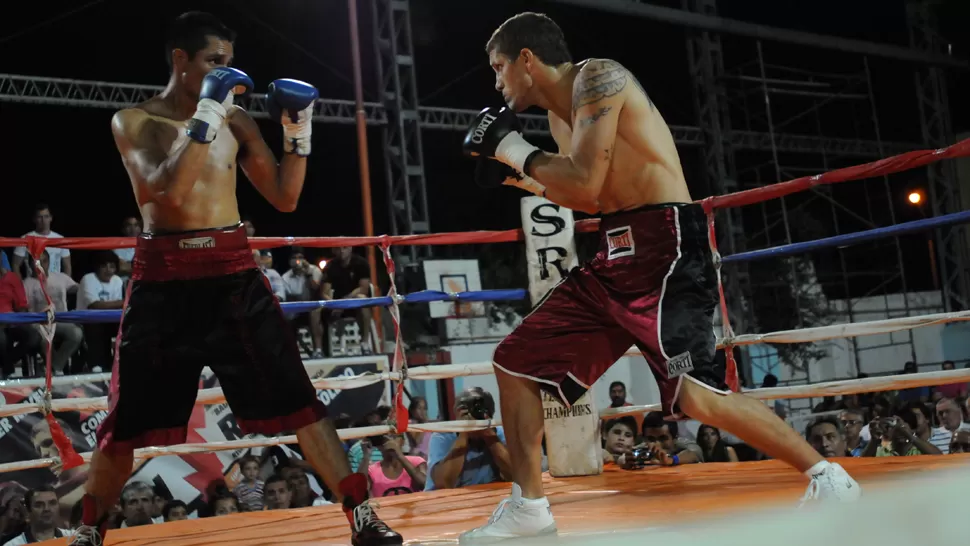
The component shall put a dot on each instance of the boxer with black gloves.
(196, 298)
(496, 134)
(652, 283)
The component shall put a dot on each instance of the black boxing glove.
(492, 174)
(495, 133)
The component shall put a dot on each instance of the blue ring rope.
(425, 296)
(429, 296)
(850, 238)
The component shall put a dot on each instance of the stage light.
(915, 197)
(323, 264)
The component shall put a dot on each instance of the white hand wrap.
(213, 115)
(296, 133)
(528, 184)
(513, 150)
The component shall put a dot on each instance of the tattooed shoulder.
(598, 80)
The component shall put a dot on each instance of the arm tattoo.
(642, 90)
(600, 79)
(595, 117)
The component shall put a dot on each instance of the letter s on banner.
(549, 244)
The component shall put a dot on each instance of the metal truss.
(705, 60)
(95, 94)
(401, 138)
(931, 91)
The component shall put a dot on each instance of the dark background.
(65, 156)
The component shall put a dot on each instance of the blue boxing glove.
(290, 102)
(218, 88)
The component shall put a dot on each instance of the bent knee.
(699, 401)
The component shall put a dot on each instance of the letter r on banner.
(549, 244)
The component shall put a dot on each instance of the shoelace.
(812, 492)
(364, 515)
(88, 535)
(502, 508)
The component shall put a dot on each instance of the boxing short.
(652, 284)
(197, 299)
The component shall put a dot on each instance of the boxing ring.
(668, 502)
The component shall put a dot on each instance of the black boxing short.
(197, 299)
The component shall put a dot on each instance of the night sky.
(66, 157)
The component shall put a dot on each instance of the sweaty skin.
(181, 184)
(616, 151)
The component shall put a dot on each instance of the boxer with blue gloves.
(196, 297)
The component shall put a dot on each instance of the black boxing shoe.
(368, 530)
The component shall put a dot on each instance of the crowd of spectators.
(84, 348)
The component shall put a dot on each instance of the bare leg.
(522, 421)
(106, 478)
(323, 449)
(750, 420)
(316, 328)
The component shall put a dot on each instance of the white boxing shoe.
(515, 517)
(833, 484)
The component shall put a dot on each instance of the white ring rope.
(446, 371)
(185, 449)
(829, 388)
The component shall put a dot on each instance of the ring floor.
(613, 501)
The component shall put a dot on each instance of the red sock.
(89, 511)
(354, 490)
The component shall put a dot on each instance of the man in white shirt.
(101, 289)
(67, 336)
(60, 257)
(273, 276)
(302, 283)
(42, 509)
(130, 227)
(951, 418)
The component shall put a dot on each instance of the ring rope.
(889, 165)
(885, 166)
(831, 388)
(424, 296)
(446, 371)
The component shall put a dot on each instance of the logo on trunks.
(679, 365)
(197, 242)
(619, 243)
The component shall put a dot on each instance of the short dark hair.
(103, 257)
(41, 207)
(533, 31)
(277, 477)
(617, 383)
(246, 459)
(627, 421)
(170, 505)
(655, 419)
(830, 419)
(189, 31)
(478, 392)
(29, 496)
(908, 408)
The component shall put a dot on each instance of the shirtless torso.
(151, 133)
(644, 166)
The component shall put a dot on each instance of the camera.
(377, 441)
(638, 458)
(478, 408)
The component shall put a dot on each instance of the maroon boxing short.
(196, 299)
(652, 284)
